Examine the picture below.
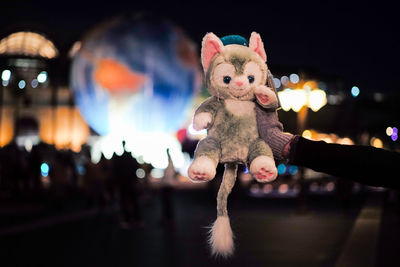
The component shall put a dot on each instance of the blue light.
(44, 169)
(294, 78)
(293, 170)
(21, 84)
(81, 169)
(355, 91)
(281, 168)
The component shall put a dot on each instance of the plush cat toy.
(235, 77)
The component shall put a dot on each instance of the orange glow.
(6, 127)
(307, 134)
(310, 85)
(68, 131)
(46, 125)
(115, 76)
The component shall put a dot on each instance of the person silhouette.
(124, 169)
(167, 190)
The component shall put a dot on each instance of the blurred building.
(34, 105)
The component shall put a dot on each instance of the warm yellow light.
(310, 85)
(6, 126)
(70, 130)
(345, 141)
(389, 131)
(299, 99)
(29, 44)
(376, 142)
(307, 134)
(316, 99)
(285, 99)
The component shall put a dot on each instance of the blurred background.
(96, 102)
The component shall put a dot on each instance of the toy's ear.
(211, 45)
(257, 45)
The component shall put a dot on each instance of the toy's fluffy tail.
(221, 237)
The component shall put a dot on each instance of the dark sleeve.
(363, 164)
(271, 131)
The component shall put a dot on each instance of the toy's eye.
(251, 78)
(227, 79)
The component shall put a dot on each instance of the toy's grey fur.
(231, 138)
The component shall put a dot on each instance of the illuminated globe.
(135, 77)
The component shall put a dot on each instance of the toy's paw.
(202, 121)
(265, 95)
(263, 169)
(202, 169)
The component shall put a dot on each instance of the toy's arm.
(205, 113)
(266, 97)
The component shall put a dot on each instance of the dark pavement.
(269, 232)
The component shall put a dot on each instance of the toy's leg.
(207, 155)
(262, 164)
(221, 237)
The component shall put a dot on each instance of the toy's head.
(234, 71)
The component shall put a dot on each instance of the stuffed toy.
(236, 77)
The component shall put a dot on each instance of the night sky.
(355, 42)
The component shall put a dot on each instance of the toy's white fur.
(203, 169)
(202, 121)
(221, 237)
(239, 108)
(258, 165)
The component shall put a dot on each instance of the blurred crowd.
(56, 177)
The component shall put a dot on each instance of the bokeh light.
(285, 99)
(21, 84)
(6, 75)
(307, 134)
(283, 188)
(281, 168)
(317, 99)
(376, 142)
(268, 188)
(294, 78)
(44, 169)
(42, 77)
(284, 80)
(389, 131)
(355, 91)
(34, 83)
(277, 82)
(140, 173)
(330, 186)
(299, 99)
(293, 169)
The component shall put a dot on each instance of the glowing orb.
(135, 79)
(135, 75)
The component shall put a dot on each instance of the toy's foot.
(263, 169)
(202, 169)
